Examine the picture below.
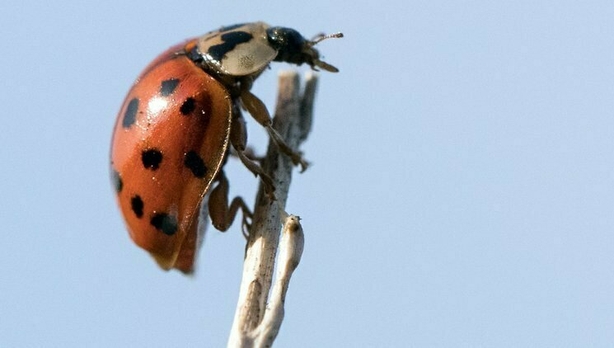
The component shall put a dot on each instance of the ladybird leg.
(269, 188)
(222, 214)
(249, 152)
(260, 113)
(238, 138)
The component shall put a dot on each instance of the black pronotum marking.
(117, 180)
(168, 87)
(188, 106)
(230, 41)
(136, 203)
(151, 158)
(165, 223)
(130, 114)
(195, 163)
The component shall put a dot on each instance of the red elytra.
(159, 125)
(173, 133)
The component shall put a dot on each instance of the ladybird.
(177, 125)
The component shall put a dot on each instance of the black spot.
(196, 164)
(130, 114)
(230, 41)
(137, 206)
(151, 159)
(117, 180)
(188, 106)
(168, 87)
(165, 223)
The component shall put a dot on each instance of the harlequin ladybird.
(173, 132)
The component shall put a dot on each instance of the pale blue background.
(462, 192)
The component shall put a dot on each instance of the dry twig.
(258, 316)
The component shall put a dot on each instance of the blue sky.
(461, 192)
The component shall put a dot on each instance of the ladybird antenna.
(321, 37)
(316, 61)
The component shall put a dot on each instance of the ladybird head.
(293, 48)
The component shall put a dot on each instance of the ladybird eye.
(285, 39)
